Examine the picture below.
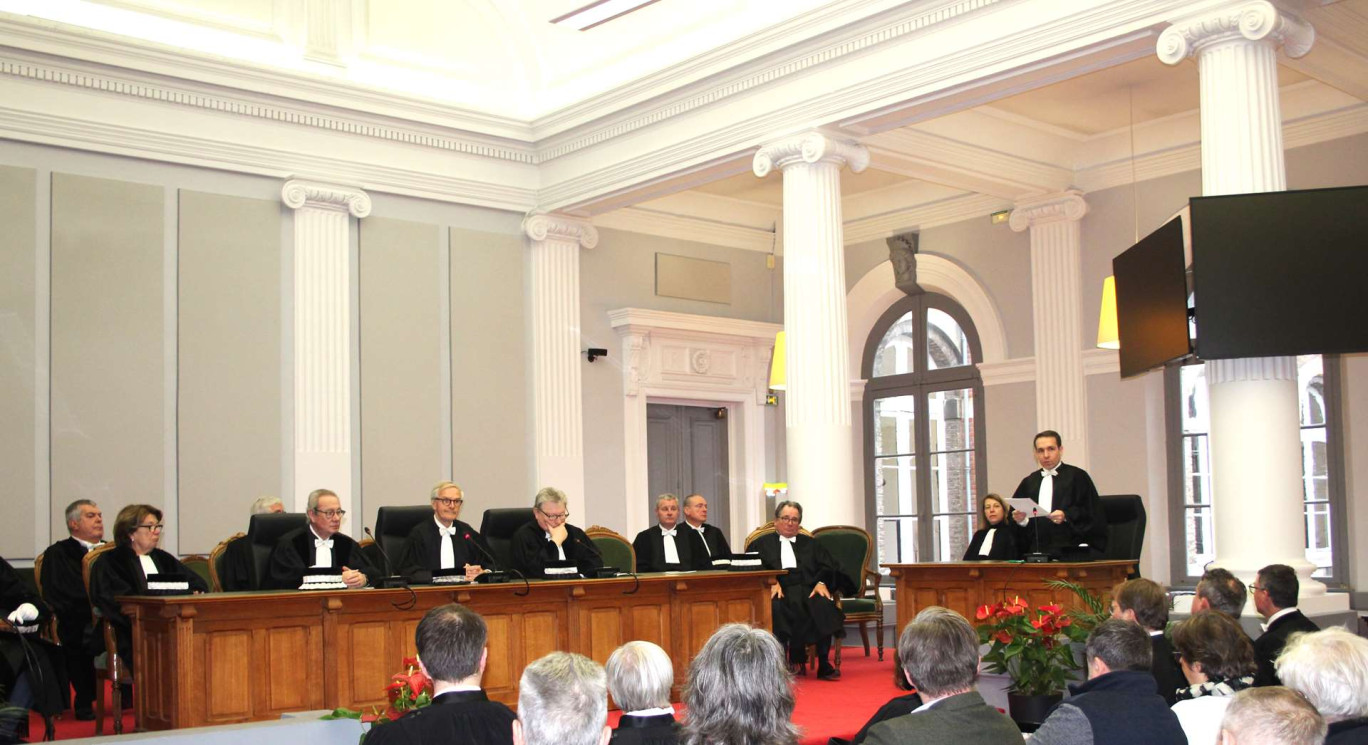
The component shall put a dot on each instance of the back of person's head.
(563, 700)
(451, 641)
(1272, 715)
(1147, 599)
(266, 504)
(1216, 641)
(939, 651)
(740, 690)
(1280, 582)
(640, 675)
(1122, 645)
(1223, 591)
(1330, 668)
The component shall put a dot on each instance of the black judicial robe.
(716, 540)
(798, 618)
(453, 717)
(64, 589)
(421, 553)
(661, 729)
(237, 566)
(650, 549)
(1084, 521)
(533, 551)
(1004, 546)
(47, 675)
(119, 572)
(293, 557)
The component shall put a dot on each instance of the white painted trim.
(923, 216)
(1101, 362)
(682, 227)
(1017, 370)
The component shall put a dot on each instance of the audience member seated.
(549, 540)
(318, 545)
(562, 700)
(443, 543)
(452, 652)
(896, 706)
(995, 540)
(665, 547)
(1272, 715)
(1217, 659)
(64, 590)
(939, 651)
(1072, 525)
(712, 545)
(1145, 602)
(739, 690)
(1330, 668)
(31, 674)
(640, 676)
(1275, 598)
(802, 605)
(1118, 705)
(123, 570)
(1219, 590)
(237, 557)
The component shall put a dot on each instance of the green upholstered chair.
(199, 565)
(853, 549)
(217, 560)
(616, 549)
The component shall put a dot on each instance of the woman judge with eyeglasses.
(550, 539)
(319, 545)
(444, 542)
(125, 568)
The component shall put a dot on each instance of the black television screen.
(1280, 273)
(1151, 300)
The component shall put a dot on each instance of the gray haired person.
(1330, 668)
(562, 700)
(1271, 715)
(640, 676)
(1220, 590)
(266, 505)
(740, 690)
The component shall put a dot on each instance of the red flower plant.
(407, 690)
(1031, 646)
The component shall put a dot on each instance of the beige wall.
(18, 421)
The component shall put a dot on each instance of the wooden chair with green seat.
(617, 551)
(108, 665)
(853, 550)
(200, 565)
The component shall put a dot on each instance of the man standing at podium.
(1070, 525)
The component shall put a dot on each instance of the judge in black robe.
(24, 654)
(1002, 546)
(421, 554)
(649, 545)
(711, 542)
(534, 544)
(237, 566)
(1073, 526)
(297, 552)
(802, 605)
(64, 589)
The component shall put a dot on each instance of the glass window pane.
(1196, 410)
(895, 355)
(898, 540)
(1201, 541)
(951, 416)
(946, 344)
(1311, 386)
(953, 487)
(894, 419)
(1318, 544)
(895, 485)
(1197, 470)
(952, 535)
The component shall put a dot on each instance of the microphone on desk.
(390, 580)
(492, 576)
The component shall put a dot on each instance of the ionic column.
(322, 336)
(1256, 470)
(1057, 317)
(817, 399)
(555, 242)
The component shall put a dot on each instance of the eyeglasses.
(794, 520)
(1254, 588)
(330, 514)
(154, 528)
(449, 502)
(562, 517)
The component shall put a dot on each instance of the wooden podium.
(220, 658)
(964, 586)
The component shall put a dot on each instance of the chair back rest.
(392, 527)
(218, 559)
(497, 528)
(852, 548)
(38, 574)
(616, 549)
(199, 564)
(87, 564)
(1126, 519)
(765, 530)
(264, 532)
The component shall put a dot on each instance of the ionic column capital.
(1068, 205)
(297, 194)
(811, 147)
(1252, 20)
(540, 226)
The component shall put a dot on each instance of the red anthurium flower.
(983, 612)
(410, 662)
(417, 682)
(1050, 608)
(1004, 636)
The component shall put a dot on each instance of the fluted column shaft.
(555, 242)
(820, 452)
(322, 336)
(1255, 440)
(1057, 316)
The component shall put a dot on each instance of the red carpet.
(68, 728)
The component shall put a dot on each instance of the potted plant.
(407, 690)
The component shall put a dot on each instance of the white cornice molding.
(923, 216)
(682, 227)
(1016, 370)
(625, 320)
(978, 167)
(1101, 362)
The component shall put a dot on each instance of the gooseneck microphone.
(492, 575)
(389, 580)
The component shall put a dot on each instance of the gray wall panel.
(17, 331)
(229, 446)
(108, 338)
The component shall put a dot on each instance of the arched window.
(924, 430)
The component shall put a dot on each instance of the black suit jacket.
(1271, 643)
(65, 590)
(119, 572)
(1075, 494)
(1004, 546)
(454, 717)
(712, 544)
(1167, 672)
(421, 553)
(650, 549)
(661, 729)
(964, 718)
(293, 557)
(532, 551)
(237, 566)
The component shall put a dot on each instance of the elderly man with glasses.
(319, 545)
(541, 545)
(443, 543)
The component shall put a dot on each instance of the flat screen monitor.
(1280, 273)
(1151, 300)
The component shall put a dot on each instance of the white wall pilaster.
(555, 242)
(1057, 317)
(817, 401)
(323, 432)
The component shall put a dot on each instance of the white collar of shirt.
(1051, 471)
(149, 567)
(1275, 617)
(698, 527)
(986, 547)
(925, 706)
(669, 531)
(440, 688)
(444, 530)
(87, 546)
(792, 539)
(650, 712)
(1157, 633)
